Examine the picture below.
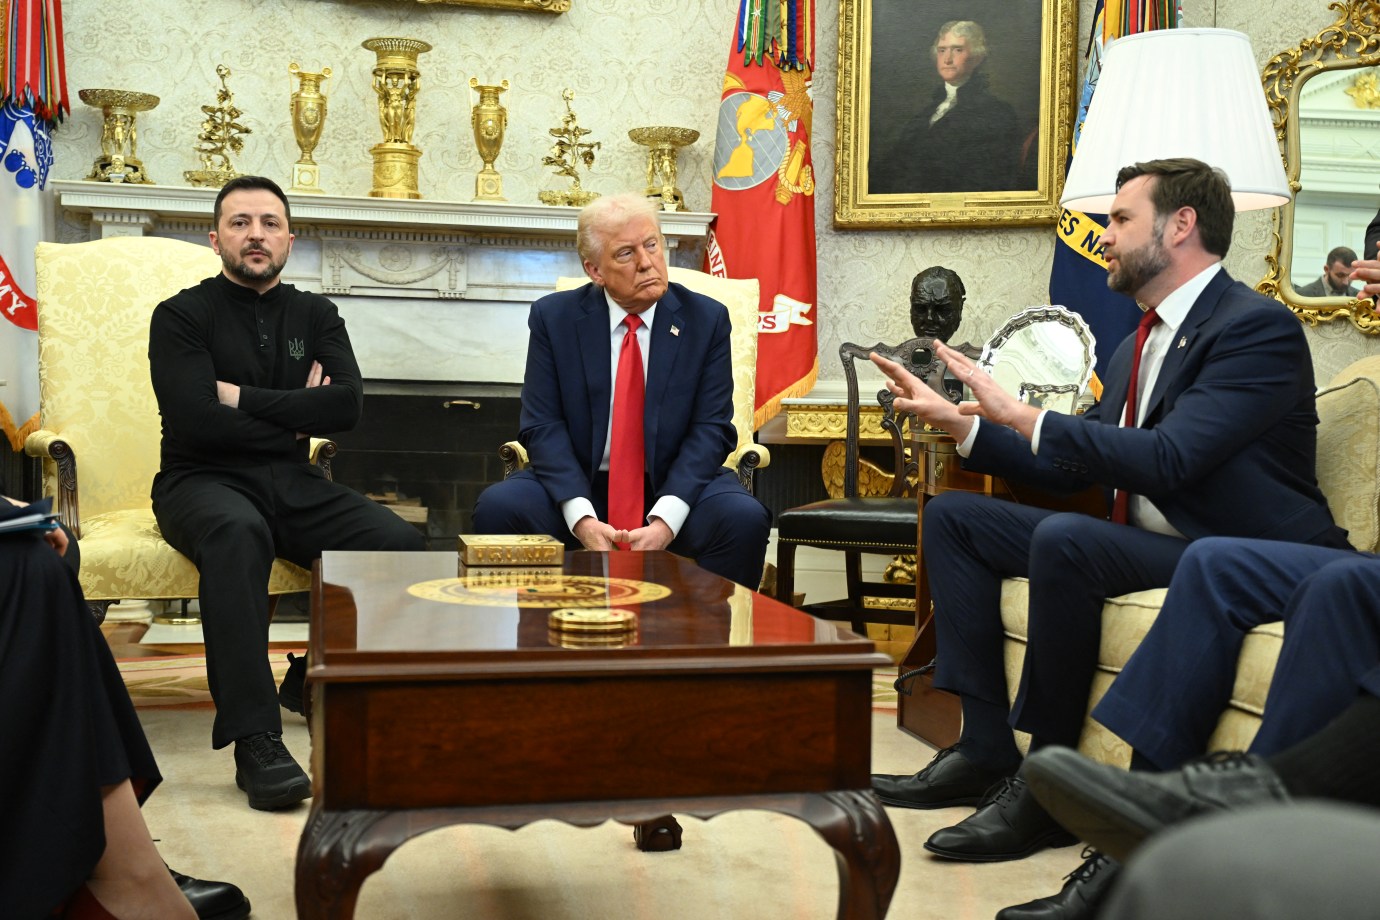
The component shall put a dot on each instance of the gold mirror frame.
(1352, 41)
(545, 6)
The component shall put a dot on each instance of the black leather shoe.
(266, 771)
(1009, 824)
(950, 779)
(212, 900)
(293, 688)
(1115, 810)
(1080, 897)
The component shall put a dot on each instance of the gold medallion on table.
(549, 591)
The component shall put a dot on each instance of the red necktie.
(1121, 503)
(626, 450)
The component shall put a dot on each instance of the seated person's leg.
(312, 514)
(1331, 644)
(225, 533)
(86, 764)
(520, 505)
(1168, 698)
(726, 532)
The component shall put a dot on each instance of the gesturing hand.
(993, 403)
(595, 534)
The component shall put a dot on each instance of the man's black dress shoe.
(1009, 824)
(1080, 897)
(266, 771)
(293, 688)
(212, 900)
(1115, 811)
(950, 779)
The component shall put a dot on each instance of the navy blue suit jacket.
(1228, 445)
(567, 389)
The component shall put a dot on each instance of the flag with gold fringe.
(1078, 276)
(764, 190)
(33, 98)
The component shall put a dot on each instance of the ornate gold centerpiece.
(567, 155)
(665, 143)
(488, 118)
(119, 159)
(397, 82)
(221, 135)
(308, 119)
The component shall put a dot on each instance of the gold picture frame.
(888, 86)
(544, 6)
(1353, 41)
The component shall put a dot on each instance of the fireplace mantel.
(430, 290)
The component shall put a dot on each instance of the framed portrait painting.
(954, 113)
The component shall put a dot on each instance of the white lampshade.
(1178, 93)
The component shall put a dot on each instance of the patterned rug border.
(179, 681)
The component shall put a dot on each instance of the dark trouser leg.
(313, 514)
(519, 504)
(971, 543)
(1168, 698)
(225, 533)
(726, 533)
(1076, 563)
(1331, 641)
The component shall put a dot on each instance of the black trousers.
(232, 523)
(67, 728)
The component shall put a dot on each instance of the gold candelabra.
(665, 143)
(221, 135)
(308, 107)
(396, 82)
(488, 118)
(119, 159)
(566, 156)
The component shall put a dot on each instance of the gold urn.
(665, 143)
(488, 118)
(308, 107)
(119, 160)
(396, 82)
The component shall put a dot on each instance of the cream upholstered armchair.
(99, 415)
(740, 296)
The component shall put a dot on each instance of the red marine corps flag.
(764, 190)
(33, 97)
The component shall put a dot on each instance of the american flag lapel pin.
(675, 330)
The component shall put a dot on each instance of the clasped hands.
(992, 402)
(594, 534)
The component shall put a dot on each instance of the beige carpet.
(739, 865)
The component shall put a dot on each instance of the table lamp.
(1178, 93)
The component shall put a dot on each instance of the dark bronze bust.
(936, 303)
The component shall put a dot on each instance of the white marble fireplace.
(432, 291)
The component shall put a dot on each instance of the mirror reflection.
(1044, 356)
(1339, 144)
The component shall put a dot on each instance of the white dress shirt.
(672, 510)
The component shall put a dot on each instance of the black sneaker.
(293, 688)
(266, 771)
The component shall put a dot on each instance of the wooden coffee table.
(442, 700)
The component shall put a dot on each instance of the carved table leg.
(659, 835)
(337, 852)
(869, 858)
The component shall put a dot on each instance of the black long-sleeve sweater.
(220, 330)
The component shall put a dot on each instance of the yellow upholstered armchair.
(99, 415)
(740, 296)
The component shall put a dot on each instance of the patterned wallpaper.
(654, 62)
